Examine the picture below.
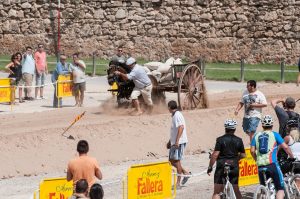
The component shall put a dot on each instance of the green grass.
(101, 64)
(212, 71)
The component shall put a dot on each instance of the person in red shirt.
(41, 70)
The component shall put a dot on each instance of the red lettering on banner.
(248, 169)
(146, 186)
(62, 196)
(51, 195)
(3, 94)
(66, 88)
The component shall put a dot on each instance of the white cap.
(130, 61)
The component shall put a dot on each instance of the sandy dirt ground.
(32, 148)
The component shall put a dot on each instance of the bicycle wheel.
(230, 192)
(286, 191)
(261, 192)
(294, 190)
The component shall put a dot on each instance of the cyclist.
(264, 148)
(228, 149)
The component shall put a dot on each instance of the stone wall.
(219, 30)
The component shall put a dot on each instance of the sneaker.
(42, 97)
(178, 187)
(38, 98)
(185, 179)
(30, 98)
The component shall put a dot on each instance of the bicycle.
(228, 192)
(291, 179)
(268, 191)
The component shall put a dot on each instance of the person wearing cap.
(284, 113)
(264, 148)
(253, 100)
(142, 82)
(62, 68)
(229, 149)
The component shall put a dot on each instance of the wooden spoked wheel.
(191, 89)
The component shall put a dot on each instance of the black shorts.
(78, 87)
(220, 177)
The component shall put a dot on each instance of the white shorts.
(146, 93)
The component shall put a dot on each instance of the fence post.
(242, 70)
(282, 64)
(203, 67)
(94, 66)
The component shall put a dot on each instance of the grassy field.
(214, 71)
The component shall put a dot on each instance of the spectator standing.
(229, 149)
(253, 100)
(41, 69)
(177, 142)
(81, 190)
(284, 113)
(96, 191)
(142, 82)
(15, 72)
(62, 68)
(28, 68)
(119, 56)
(84, 166)
(264, 148)
(78, 70)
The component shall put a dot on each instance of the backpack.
(292, 116)
(263, 141)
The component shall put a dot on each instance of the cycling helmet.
(230, 124)
(292, 123)
(267, 121)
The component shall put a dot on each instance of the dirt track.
(31, 143)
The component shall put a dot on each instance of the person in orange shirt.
(84, 166)
(41, 70)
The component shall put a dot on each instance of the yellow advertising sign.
(64, 86)
(150, 181)
(248, 170)
(6, 91)
(56, 188)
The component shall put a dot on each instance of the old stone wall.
(219, 30)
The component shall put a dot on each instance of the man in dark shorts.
(228, 149)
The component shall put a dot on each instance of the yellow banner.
(56, 188)
(64, 86)
(150, 181)
(6, 91)
(248, 170)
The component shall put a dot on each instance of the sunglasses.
(120, 50)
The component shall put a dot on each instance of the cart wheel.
(157, 95)
(191, 89)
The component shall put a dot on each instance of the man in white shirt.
(253, 100)
(78, 71)
(142, 82)
(177, 142)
